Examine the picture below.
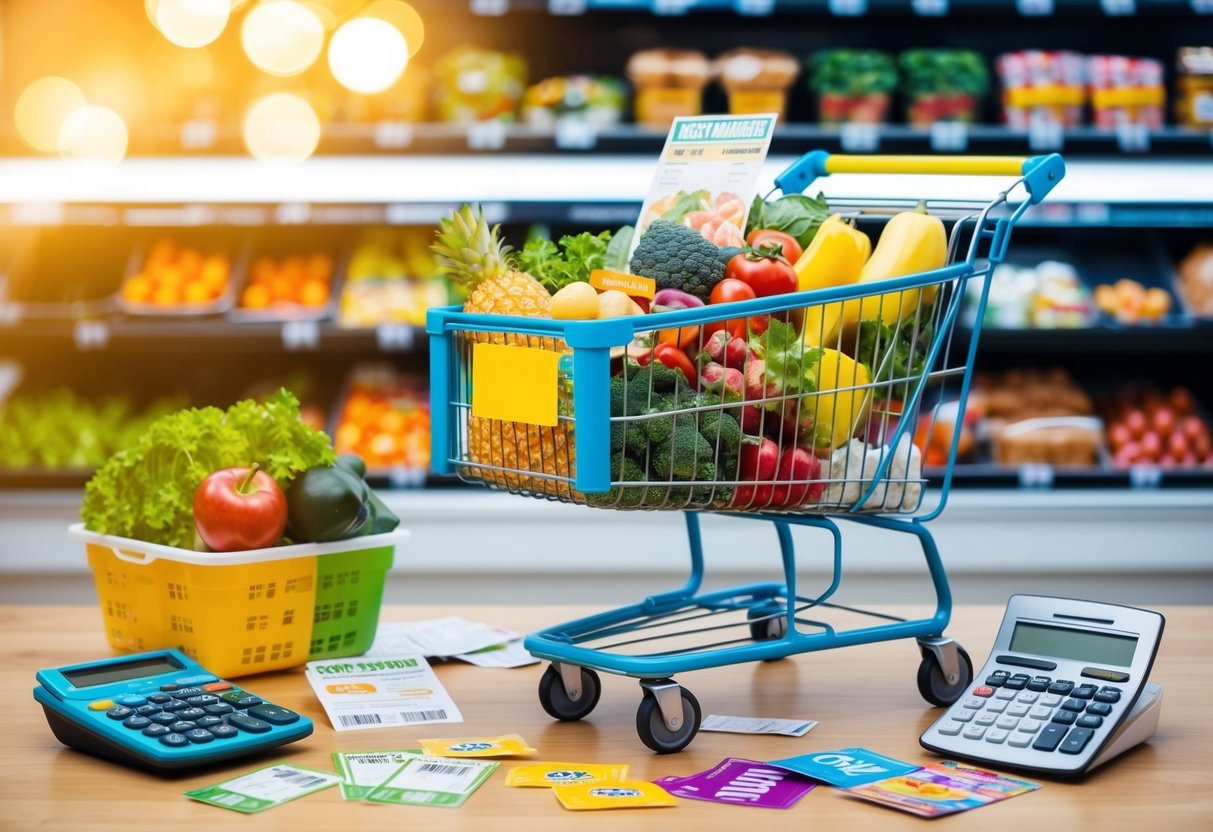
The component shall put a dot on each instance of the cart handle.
(1040, 173)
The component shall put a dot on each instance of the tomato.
(676, 359)
(236, 509)
(791, 247)
(767, 273)
(731, 290)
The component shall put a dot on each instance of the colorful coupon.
(547, 775)
(757, 725)
(433, 781)
(983, 782)
(265, 788)
(846, 767)
(506, 745)
(942, 789)
(361, 771)
(380, 693)
(742, 782)
(629, 794)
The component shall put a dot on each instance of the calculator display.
(1077, 645)
(92, 676)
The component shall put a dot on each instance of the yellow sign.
(514, 384)
(630, 284)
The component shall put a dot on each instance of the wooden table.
(861, 696)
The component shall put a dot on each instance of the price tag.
(400, 477)
(1118, 8)
(199, 134)
(566, 7)
(490, 8)
(293, 213)
(755, 8)
(1034, 8)
(90, 335)
(486, 135)
(37, 213)
(1133, 138)
(394, 337)
(1045, 136)
(949, 137)
(860, 138)
(930, 8)
(848, 8)
(672, 7)
(300, 336)
(9, 314)
(393, 135)
(575, 134)
(1145, 476)
(1036, 475)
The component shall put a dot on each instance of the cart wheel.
(556, 701)
(935, 688)
(656, 734)
(768, 629)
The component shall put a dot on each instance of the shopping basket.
(578, 411)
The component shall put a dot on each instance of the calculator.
(160, 711)
(1065, 689)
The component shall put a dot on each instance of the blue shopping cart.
(590, 407)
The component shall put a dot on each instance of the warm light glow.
(96, 134)
(281, 128)
(190, 23)
(401, 15)
(367, 55)
(282, 37)
(43, 107)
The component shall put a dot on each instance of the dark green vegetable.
(684, 453)
(794, 214)
(333, 502)
(571, 261)
(676, 257)
(888, 353)
(943, 71)
(853, 72)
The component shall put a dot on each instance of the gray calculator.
(1064, 689)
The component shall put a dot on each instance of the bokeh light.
(95, 134)
(43, 107)
(401, 15)
(281, 127)
(190, 23)
(282, 37)
(367, 54)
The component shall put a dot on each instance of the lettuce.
(146, 491)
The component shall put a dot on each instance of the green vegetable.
(723, 432)
(682, 455)
(727, 253)
(333, 502)
(943, 71)
(146, 491)
(616, 258)
(888, 353)
(788, 366)
(794, 214)
(646, 384)
(853, 72)
(676, 257)
(570, 261)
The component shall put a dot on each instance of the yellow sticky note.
(515, 384)
(630, 794)
(507, 745)
(546, 775)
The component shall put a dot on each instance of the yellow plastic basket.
(238, 613)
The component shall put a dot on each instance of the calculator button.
(199, 736)
(1064, 718)
(191, 714)
(174, 740)
(1028, 697)
(200, 679)
(1040, 712)
(996, 678)
(1084, 721)
(984, 690)
(996, 706)
(148, 710)
(131, 700)
(995, 735)
(182, 726)
(101, 705)
(1029, 726)
(1107, 695)
(1007, 723)
(1050, 737)
(1005, 694)
(973, 703)
(961, 715)
(208, 721)
(164, 718)
(1039, 683)
(274, 714)
(1017, 710)
(1083, 692)
(186, 693)
(1099, 708)
(167, 688)
(256, 726)
(138, 723)
(159, 698)
(1076, 741)
(154, 731)
(175, 705)
(1018, 682)
(202, 699)
(1061, 687)
(219, 709)
(951, 728)
(224, 732)
(216, 687)
(974, 732)
(1050, 700)
(1018, 740)
(986, 719)
(239, 699)
(119, 712)
(1076, 705)
(1106, 675)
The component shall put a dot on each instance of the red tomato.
(789, 244)
(731, 290)
(766, 272)
(676, 359)
(236, 509)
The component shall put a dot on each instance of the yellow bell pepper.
(835, 257)
(838, 413)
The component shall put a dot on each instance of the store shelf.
(1140, 340)
(847, 8)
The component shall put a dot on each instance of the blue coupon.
(846, 767)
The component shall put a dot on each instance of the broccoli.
(646, 384)
(721, 430)
(680, 457)
(727, 253)
(618, 385)
(623, 469)
(660, 424)
(677, 257)
(630, 435)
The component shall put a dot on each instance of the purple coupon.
(741, 782)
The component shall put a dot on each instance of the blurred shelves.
(846, 8)
(1041, 477)
(1190, 339)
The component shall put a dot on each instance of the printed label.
(630, 794)
(846, 767)
(380, 693)
(433, 781)
(744, 783)
(265, 788)
(546, 775)
(506, 745)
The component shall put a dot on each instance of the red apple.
(236, 509)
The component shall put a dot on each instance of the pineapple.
(473, 255)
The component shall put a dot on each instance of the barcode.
(361, 719)
(423, 716)
(440, 768)
(373, 758)
(299, 778)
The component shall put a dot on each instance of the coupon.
(756, 725)
(362, 771)
(433, 781)
(380, 693)
(265, 788)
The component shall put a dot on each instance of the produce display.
(597, 100)
(474, 85)
(853, 85)
(668, 83)
(1196, 279)
(1129, 302)
(385, 420)
(391, 279)
(288, 286)
(1049, 295)
(942, 85)
(1146, 427)
(178, 278)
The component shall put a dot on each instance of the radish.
(804, 470)
(758, 461)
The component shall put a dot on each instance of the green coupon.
(433, 781)
(362, 771)
(265, 788)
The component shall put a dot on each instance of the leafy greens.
(571, 261)
(794, 214)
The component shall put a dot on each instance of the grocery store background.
(233, 155)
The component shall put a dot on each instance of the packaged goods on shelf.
(943, 85)
(598, 101)
(1042, 88)
(669, 83)
(1146, 427)
(174, 277)
(1194, 87)
(1125, 91)
(1034, 416)
(479, 85)
(1196, 279)
(853, 85)
(1049, 295)
(385, 419)
(756, 80)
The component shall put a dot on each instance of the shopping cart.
(580, 412)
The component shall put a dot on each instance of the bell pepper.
(837, 411)
(334, 503)
(835, 258)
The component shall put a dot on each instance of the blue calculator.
(160, 711)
